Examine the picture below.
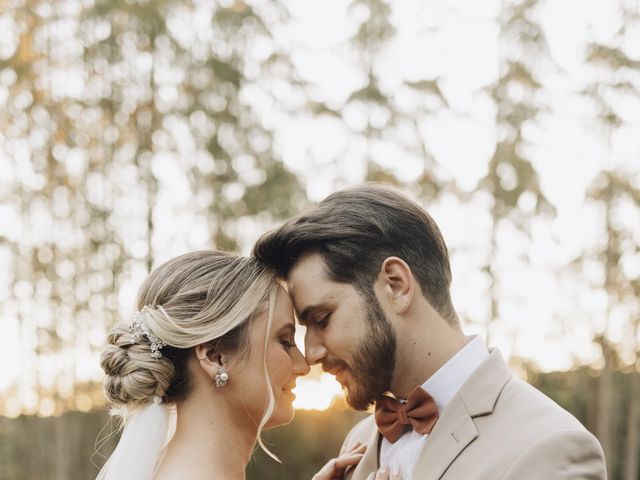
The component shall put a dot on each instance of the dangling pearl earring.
(221, 377)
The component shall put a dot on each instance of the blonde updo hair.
(199, 297)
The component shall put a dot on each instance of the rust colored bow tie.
(394, 417)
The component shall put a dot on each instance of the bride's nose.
(300, 365)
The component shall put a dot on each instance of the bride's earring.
(221, 377)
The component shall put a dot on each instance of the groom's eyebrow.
(303, 317)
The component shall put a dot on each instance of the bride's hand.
(334, 469)
(384, 474)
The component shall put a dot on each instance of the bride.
(207, 363)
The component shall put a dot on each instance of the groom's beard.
(374, 360)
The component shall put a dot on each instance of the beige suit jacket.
(495, 427)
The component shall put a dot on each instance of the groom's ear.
(396, 284)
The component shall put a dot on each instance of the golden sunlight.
(316, 393)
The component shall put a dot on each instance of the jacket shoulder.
(562, 454)
(534, 408)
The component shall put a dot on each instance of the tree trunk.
(631, 462)
(606, 403)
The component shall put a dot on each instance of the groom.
(369, 275)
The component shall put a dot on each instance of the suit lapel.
(369, 461)
(453, 432)
(455, 428)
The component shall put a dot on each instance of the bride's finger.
(346, 460)
(355, 447)
(382, 474)
(395, 474)
(385, 474)
(335, 467)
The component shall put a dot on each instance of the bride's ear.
(210, 360)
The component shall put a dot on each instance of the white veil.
(147, 432)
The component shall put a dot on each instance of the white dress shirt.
(442, 386)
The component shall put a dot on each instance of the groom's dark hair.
(355, 230)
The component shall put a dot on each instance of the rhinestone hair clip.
(139, 328)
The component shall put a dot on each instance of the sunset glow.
(316, 393)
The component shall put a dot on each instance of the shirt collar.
(448, 379)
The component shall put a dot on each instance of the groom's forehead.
(310, 287)
(309, 269)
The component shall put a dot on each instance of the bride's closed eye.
(288, 343)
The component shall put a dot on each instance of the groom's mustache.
(333, 366)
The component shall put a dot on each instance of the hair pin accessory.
(140, 328)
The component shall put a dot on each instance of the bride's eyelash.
(288, 344)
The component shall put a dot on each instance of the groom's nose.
(313, 349)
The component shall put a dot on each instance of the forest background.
(133, 130)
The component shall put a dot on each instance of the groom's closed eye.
(321, 321)
(314, 313)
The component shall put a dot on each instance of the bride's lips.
(289, 389)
